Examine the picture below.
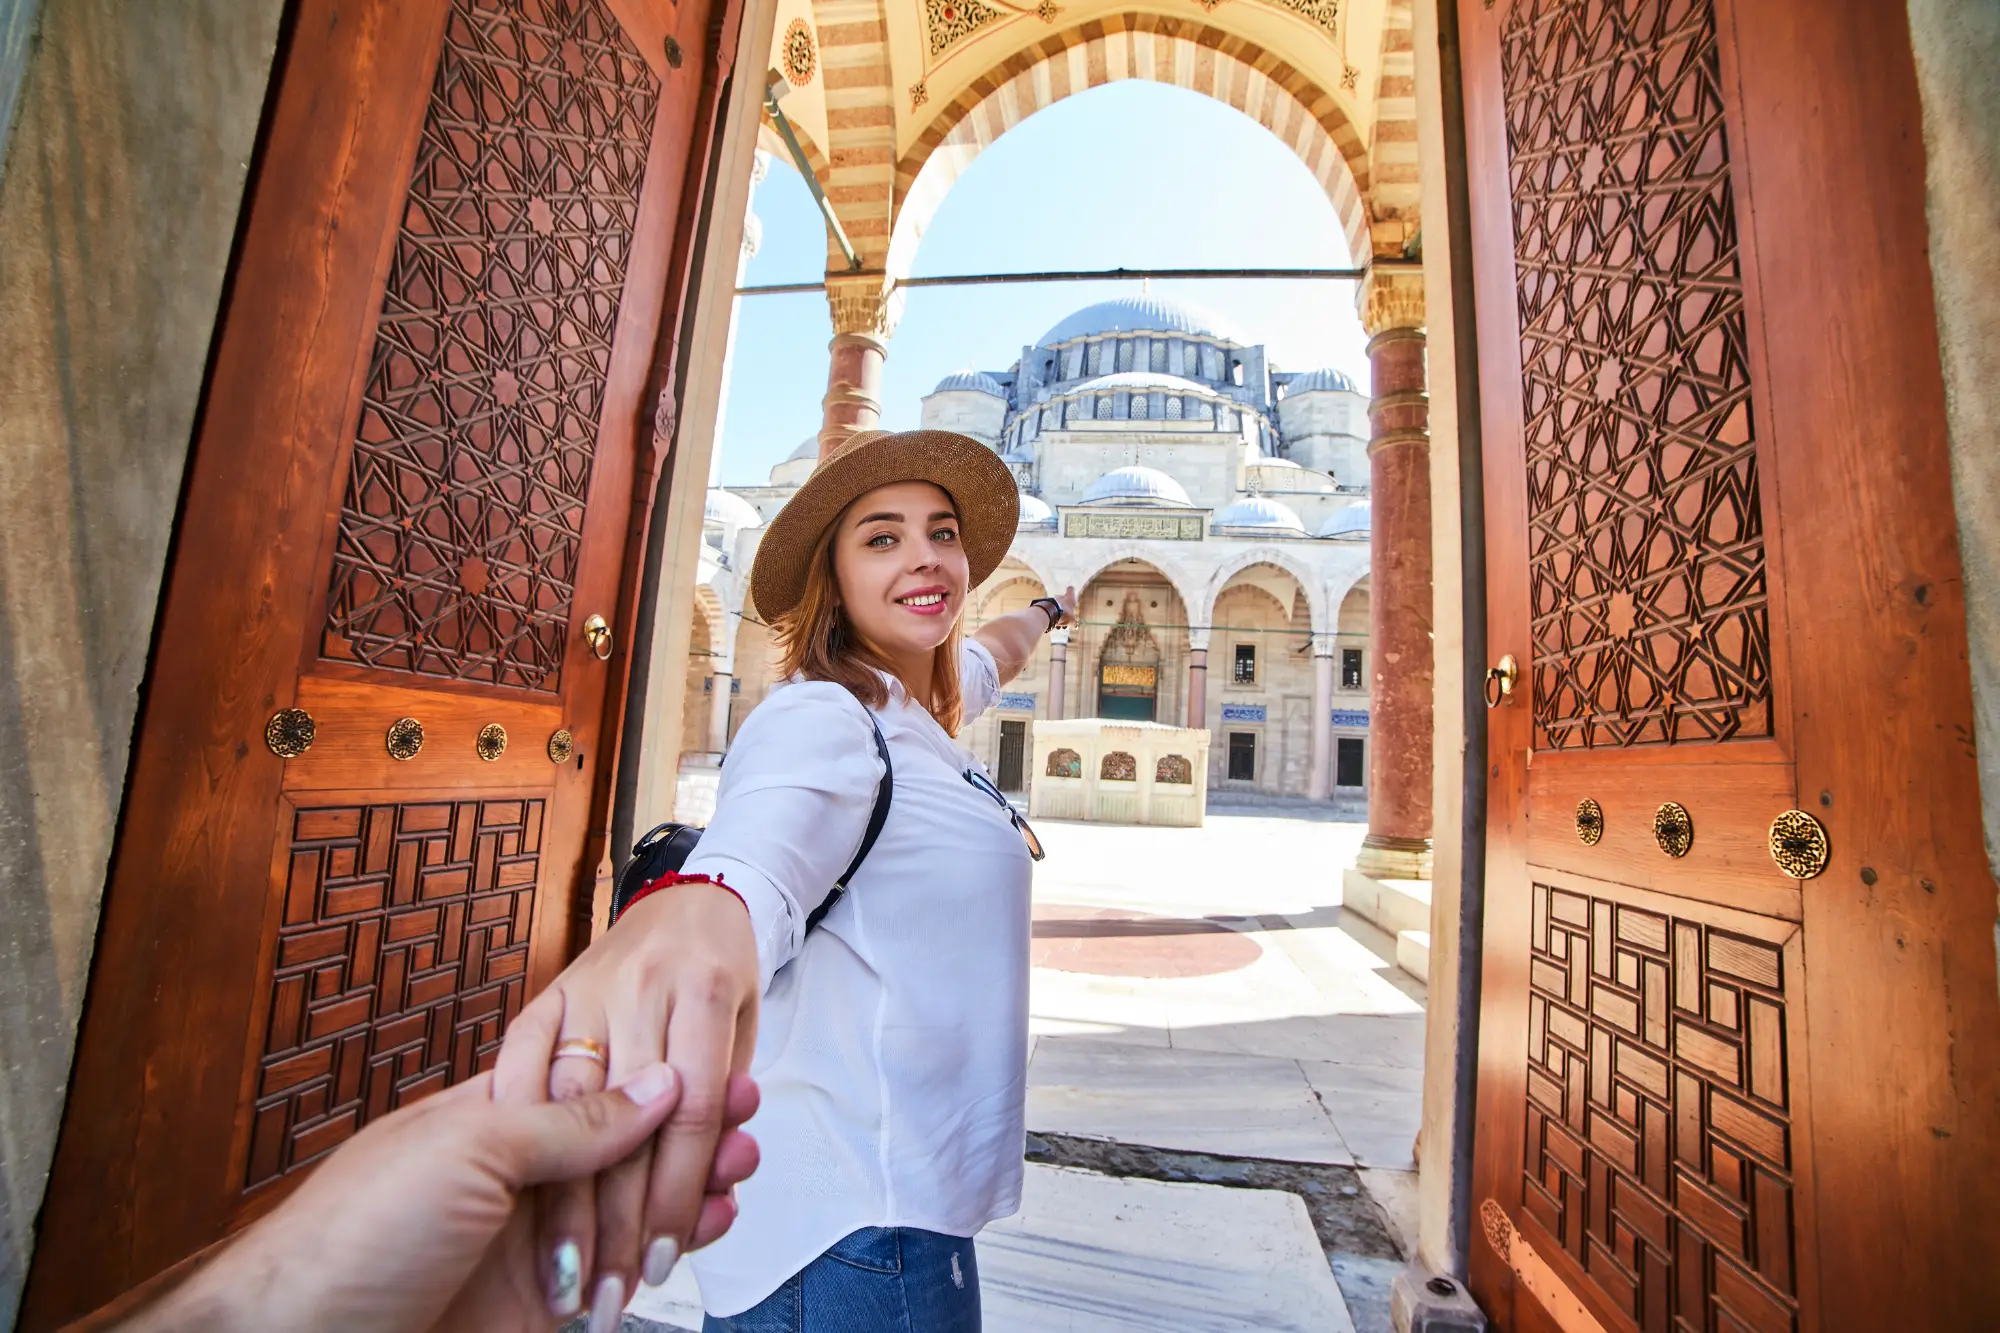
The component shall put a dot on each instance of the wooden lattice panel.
(1659, 1138)
(459, 534)
(402, 955)
(1649, 597)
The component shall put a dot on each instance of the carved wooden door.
(366, 811)
(1737, 1036)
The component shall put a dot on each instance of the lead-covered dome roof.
(1260, 513)
(730, 510)
(1349, 524)
(1313, 381)
(1137, 486)
(970, 381)
(1134, 380)
(1035, 512)
(1137, 314)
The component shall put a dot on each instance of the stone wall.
(1279, 636)
(979, 415)
(1957, 45)
(125, 172)
(1327, 431)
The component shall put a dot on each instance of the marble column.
(721, 684)
(1058, 672)
(1320, 784)
(1197, 709)
(864, 316)
(1398, 845)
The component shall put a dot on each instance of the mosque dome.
(1267, 461)
(808, 449)
(730, 510)
(970, 381)
(1136, 314)
(1137, 486)
(1261, 514)
(1035, 512)
(1312, 381)
(1349, 524)
(1141, 380)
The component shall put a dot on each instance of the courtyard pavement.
(1201, 1012)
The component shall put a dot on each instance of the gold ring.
(583, 1048)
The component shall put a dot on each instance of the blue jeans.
(878, 1280)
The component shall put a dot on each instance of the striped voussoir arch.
(1184, 52)
(1394, 198)
(860, 174)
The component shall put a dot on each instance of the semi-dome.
(970, 381)
(729, 509)
(1259, 513)
(1137, 486)
(1136, 314)
(1312, 381)
(1349, 524)
(1142, 380)
(1035, 512)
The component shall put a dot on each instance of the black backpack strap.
(876, 819)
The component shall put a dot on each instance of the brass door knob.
(598, 635)
(1500, 680)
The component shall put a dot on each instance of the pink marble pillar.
(1320, 785)
(853, 399)
(1197, 711)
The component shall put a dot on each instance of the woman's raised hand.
(676, 981)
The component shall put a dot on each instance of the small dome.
(970, 381)
(1261, 513)
(1035, 512)
(1139, 314)
(1349, 524)
(1313, 381)
(730, 510)
(1266, 461)
(1137, 486)
(1142, 380)
(808, 448)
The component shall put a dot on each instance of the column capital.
(1391, 297)
(1059, 638)
(1198, 640)
(1324, 644)
(866, 304)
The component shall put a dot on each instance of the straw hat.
(979, 484)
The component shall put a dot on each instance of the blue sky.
(1133, 174)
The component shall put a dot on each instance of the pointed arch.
(1311, 580)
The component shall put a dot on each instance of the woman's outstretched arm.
(1012, 639)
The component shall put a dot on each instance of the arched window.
(1174, 768)
(1104, 407)
(1159, 361)
(1118, 767)
(1065, 764)
(1124, 353)
(1173, 409)
(1138, 406)
(1097, 358)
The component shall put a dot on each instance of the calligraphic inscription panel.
(1649, 596)
(1144, 527)
(459, 535)
(1659, 1136)
(402, 955)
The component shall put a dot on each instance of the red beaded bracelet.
(667, 881)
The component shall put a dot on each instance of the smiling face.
(901, 568)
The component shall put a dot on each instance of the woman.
(892, 1051)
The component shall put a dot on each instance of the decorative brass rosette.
(1589, 822)
(289, 733)
(1798, 844)
(1673, 829)
(561, 746)
(492, 742)
(406, 737)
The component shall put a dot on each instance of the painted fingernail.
(650, 1084)
(608, 1305)
(566, 1280)
(661, 1256)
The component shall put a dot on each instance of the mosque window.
(1173, 409)
(1236, 373)
(1242, 756)
(1350, 668)
(1124, 353)
(1244, 672)
(1138, 405)
(1104, 407)
(1350, 762)
(1159, 356)
(1097, 358)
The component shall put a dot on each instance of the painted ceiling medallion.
(1326, 13)
(1047, 11)
(492, 742)
(950, 22)
(1350, 78)
(406, 737)
(801, 53)
(918, 94)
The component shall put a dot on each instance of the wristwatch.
(1053, 610)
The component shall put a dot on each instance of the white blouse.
(892, 1045)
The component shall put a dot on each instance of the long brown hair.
(817, 642)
